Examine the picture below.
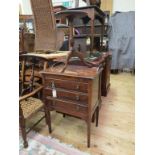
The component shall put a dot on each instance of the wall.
(123, 5)
(107, 5)
(26, 7)
(82, 3)
(112, 5)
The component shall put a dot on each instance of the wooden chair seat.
(30, 106)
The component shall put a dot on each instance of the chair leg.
(88, 132)
(48, 119)
(23, 130)
(49, 122)
(97, 115)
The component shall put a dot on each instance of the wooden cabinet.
(105, 84)
(90, 29)
(77, 92)
(57, 9)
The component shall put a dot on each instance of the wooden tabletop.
(74, 71)
(97, 9)
(71, 14)
(51, 56)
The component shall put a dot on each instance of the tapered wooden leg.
(48, 119)
(23, 130)
(64, 115)
(93, 118)
(97, 115)
(49, 122)
(88, 132)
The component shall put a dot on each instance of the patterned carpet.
(41, 145)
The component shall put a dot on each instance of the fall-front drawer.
(66, 94)
(66, 106)
(69, 85)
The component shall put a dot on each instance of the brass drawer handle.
(77, 108)
(77, 97)
(77, 87)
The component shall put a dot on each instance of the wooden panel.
(67, 107)
(95, 91)
(20, 9)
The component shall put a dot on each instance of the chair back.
(30, 66)
(45, 26)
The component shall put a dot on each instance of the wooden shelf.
(86, 35)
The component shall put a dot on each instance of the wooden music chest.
(75, 92)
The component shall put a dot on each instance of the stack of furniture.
(90, 27)
(71, 89)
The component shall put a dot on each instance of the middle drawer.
(67, 94)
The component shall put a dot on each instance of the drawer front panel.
(69, 85)
(68, 108)
(74, 96)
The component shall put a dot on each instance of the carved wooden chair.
(30, 101)
(29, 71)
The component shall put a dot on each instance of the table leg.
(88, 132)
(97, 115)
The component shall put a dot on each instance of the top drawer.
(69, 85)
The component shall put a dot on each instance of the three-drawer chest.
(75, 92)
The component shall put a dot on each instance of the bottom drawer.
(68, 108)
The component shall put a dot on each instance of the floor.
(115, 133)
